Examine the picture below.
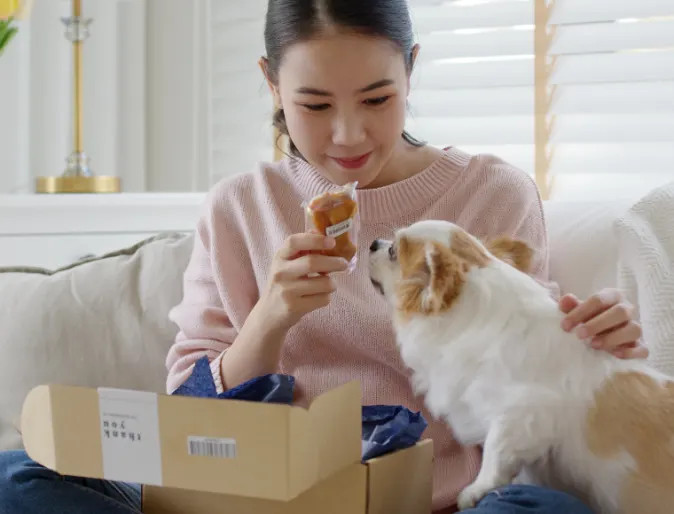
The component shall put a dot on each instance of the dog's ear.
(446, 276)
(432, 276)
(512, 251)
(415, 260)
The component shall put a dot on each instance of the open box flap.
(193, 443)
(326, 438)
(132, 436)
(337, 422)
(53, 430)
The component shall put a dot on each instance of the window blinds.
(473, 87)
(241, 106)
(613, 74)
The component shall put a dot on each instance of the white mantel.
(54, 230)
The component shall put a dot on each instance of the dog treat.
(335, 214)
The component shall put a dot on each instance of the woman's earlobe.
(264, 66)
(413, 60)
(414, 56)
(262, 63)
(415, 52)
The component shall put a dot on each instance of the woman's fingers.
(594, 305)
(305, 242)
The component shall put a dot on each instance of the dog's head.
(425, 269)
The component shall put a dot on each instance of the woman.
(339, 71)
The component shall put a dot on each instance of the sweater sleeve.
(204, 316)
(533, 230)
(517, 210)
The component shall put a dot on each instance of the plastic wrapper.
(390, 428)
(335, 214)
(385, 428)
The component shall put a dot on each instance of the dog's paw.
(471, 495)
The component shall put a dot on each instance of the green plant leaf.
(7, 31)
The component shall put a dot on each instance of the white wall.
(144, 96)
(177, 95)
(14, 113)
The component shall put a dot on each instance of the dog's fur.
(484, 344)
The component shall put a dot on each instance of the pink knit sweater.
(247, 217)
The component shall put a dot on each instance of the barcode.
(209, 447)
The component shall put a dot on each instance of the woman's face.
(344, 98)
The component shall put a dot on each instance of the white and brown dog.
(485, 348)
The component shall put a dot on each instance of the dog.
(485, 348)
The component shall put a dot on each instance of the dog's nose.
(375, 245)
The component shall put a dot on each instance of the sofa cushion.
(94, 323)
(583, 246)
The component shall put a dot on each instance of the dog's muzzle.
(377, 286)
(374, 247)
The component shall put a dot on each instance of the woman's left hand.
(606, 319)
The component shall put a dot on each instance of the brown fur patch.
(470, 253)
(634, 414)
(516, 253)
(433, 274)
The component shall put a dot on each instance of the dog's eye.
(392, 252)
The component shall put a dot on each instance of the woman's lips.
(353, 162)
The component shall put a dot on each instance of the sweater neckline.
(395, 200)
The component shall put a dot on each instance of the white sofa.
(104, 322)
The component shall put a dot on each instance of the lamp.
(78, 176)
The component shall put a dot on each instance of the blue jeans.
(526, 499)
(28, 488)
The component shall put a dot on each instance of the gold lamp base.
(77, 184)
(77, 177)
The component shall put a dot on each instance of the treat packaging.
(335, 214)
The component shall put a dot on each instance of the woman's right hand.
(291, 292)
(299, 281)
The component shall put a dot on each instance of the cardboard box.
(202, 455)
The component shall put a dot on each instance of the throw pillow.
(102, 321)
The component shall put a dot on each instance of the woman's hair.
(292, 21)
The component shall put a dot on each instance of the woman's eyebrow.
(321, 92)
(377, 85)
